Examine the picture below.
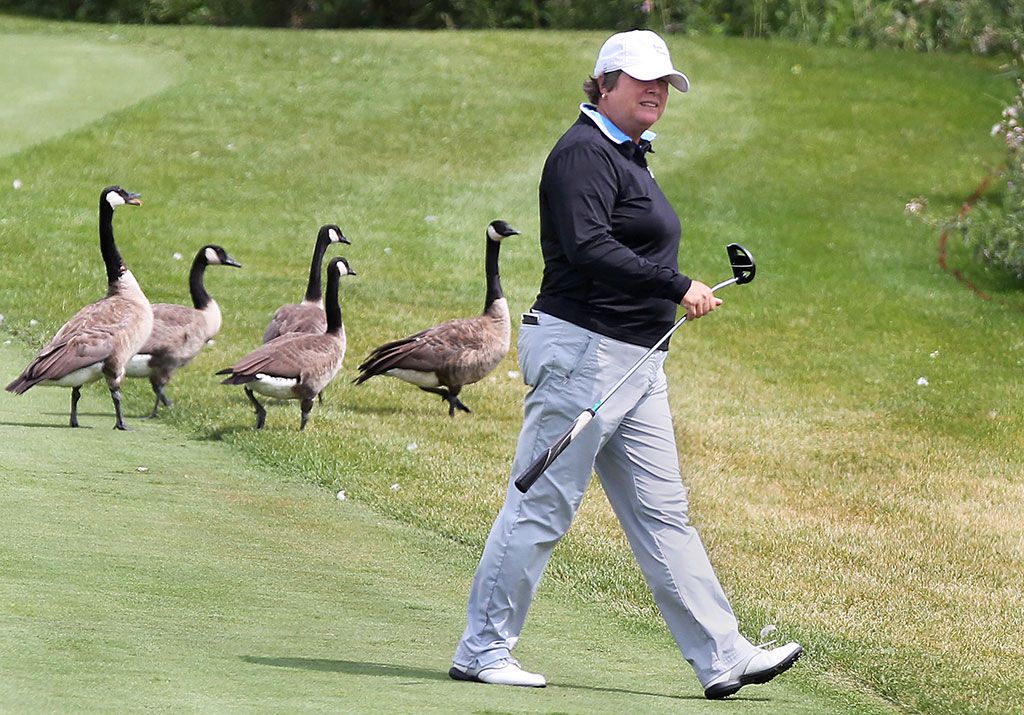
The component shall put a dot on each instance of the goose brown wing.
(173, 328)
(427, 351)
(286, 356)
(89, 337)
(296, 318)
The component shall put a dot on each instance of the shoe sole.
(456, 674)
(724, 690)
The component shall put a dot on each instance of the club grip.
(532, 473)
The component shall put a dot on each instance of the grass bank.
(149, 571)
(868, 515)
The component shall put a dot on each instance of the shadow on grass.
(373, 409)
(390, 670)
(64, 425)
(219, 434)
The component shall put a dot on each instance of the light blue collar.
(608, 128)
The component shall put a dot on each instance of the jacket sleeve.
(581, 188)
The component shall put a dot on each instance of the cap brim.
(645, 74)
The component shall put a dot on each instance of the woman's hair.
(593, 90)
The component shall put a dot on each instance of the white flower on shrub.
(915, 205)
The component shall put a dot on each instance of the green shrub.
(982, 26)
(994, 229)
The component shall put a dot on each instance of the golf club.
(743, 270)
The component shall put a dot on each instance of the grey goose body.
(297, 366)
(445, 358)
(309, 315)
(180, 332)
(100, 338)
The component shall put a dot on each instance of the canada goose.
(180, 332)
(307, 316)
(445, 358)
(101, 337)
(296, 366)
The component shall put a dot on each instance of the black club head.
(743, 267)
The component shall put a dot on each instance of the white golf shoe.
(760, 668)
(502, 672)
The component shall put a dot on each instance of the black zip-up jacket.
(609, 237)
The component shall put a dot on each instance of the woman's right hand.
(699, 300)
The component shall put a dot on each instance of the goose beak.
(134, 200)
(229, 261)
(344, 239)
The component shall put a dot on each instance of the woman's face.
(635, 105)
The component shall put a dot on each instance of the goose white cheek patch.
(211, 256)
(335, 237)
(114, 199)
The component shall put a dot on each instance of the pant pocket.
(552, 351)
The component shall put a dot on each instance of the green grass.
(54, 84)
(149, 571)
(871, 518)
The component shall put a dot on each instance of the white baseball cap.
(642, 55)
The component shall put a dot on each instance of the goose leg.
(307, 407)
(451, 397)
(76, 395)
(320, 397)
(115, 395)
(261, 413)
(161, 398)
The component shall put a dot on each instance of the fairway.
(869, 514)
(52, 85)
(154, 572)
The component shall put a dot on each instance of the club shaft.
(532, 473)
(654, 348)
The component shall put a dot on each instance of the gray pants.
(631, 446)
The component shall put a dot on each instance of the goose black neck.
(493, 279)
(108, 249)
(333, 305)
(314, 289)
(196, 288)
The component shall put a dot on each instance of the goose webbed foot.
(455, 403)
(261, 412)
(76, 395)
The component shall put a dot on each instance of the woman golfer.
(610, 291)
